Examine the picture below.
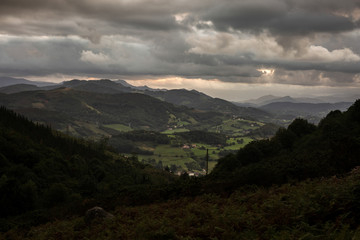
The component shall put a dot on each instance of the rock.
(97, 215)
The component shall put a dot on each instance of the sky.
(233, 49)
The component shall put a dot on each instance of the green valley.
(102, 110)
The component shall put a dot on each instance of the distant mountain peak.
(267, 99)
(141, 88)
(8, 81)
(124, 83)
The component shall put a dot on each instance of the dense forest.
(42, 169)
(300, 184)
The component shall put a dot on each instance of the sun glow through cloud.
(267, 71)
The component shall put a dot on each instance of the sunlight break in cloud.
(95, 58)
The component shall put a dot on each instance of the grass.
(236, 127)
(237, 145)
(176, 130)
(178, 156)
(169, 156)
(119, 127)
(212, 165)
(200, 151)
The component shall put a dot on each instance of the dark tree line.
(197, 136)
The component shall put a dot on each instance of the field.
(119, 127)
(235, 143)
(236, 127)
(191, 156)
(177, 130)
(186, 156)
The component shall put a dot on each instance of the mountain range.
(85, 113)
(269, 108)
(70, 98)
(288, 108)
(271, 99)
(8, 81)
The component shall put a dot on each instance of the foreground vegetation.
(313, 209)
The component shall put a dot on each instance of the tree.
(301, 127)
(55, 195)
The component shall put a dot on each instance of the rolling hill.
(85, 113)
(311, 111)
(267, 99)
(8, 81)
(22, 87)
(180, 97)
(198, 100)
(98, 86)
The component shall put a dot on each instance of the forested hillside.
(84, 113)
(45, 174)
(198, 100)
(301, 151)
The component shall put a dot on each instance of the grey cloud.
(63, 55)
(90, 19)
(40, 57)
(287, 20)
(246, 15)
(280, 17)
(325, 5)
(314, 78)
(158, 44)
(300, 23)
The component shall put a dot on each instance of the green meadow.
(119, 127)
(192, 154)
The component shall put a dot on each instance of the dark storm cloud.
(244, 14)
(305, 23)
(84, 18)
(281, 16)
(40, 57)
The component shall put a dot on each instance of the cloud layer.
(299, 42)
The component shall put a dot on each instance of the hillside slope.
(70, 110)
(8, 81)
(45, 174)
(198, 100)
(293, 110)
(301, 151)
